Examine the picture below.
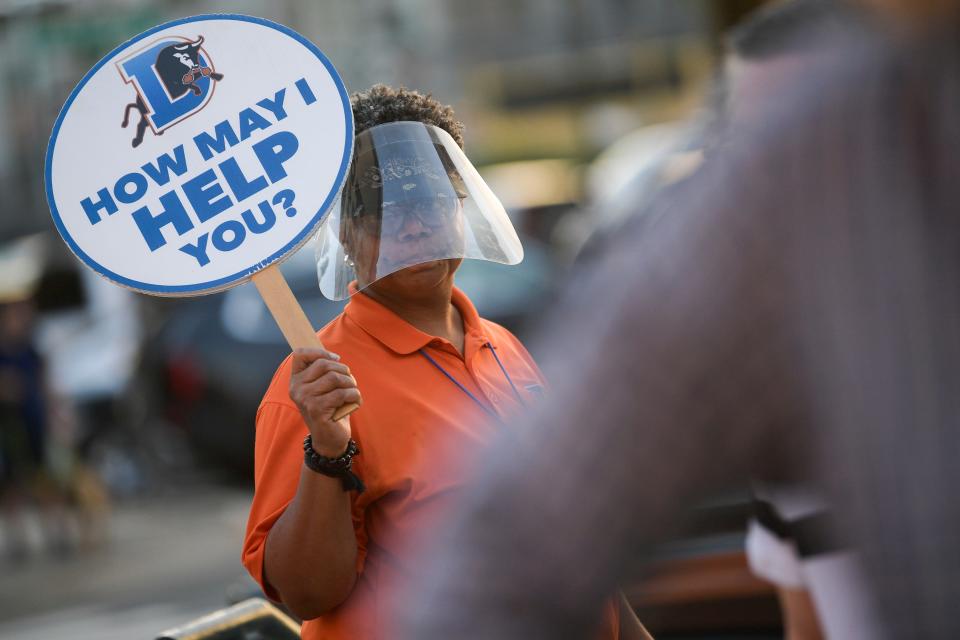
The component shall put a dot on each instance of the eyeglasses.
(430, 213)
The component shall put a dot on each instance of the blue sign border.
(241, 276)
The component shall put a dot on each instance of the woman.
(329, 533)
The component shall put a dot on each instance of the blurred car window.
(499, 290)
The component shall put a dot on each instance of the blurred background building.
(569, 108)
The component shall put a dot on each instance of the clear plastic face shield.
(411, 197)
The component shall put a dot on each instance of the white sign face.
(198, 153)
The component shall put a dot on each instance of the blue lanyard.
(476, 400)
(505, 374)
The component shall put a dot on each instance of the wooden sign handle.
(291, 319)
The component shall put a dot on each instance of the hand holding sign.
(243, 140)
(319, 385)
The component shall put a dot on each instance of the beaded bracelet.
(339, 467)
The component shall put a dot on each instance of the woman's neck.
(433, 312)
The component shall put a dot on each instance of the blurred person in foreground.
(334, 516)
(790, 539)
(791, 316)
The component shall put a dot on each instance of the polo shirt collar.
(399, 335)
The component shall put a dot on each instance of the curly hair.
(381, 104)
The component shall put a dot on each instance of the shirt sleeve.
(278, 460)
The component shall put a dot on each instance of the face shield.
(411, 197)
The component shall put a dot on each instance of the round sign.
(198, 153)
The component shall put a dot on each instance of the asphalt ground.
(166, 560)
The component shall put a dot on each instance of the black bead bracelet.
(339, 467)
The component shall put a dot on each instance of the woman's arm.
(311, 551)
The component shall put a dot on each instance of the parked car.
(211, 360)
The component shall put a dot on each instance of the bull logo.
(173, 77)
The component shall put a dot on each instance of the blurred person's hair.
(777, 30)
(381, 104)
(787, 26)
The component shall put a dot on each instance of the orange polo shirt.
(416, 431)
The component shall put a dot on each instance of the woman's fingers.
(319, 385)
(319, 409)
(304, 357)
(345, 396)
(318, 368)
(328, 382)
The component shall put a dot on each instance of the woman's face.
(411, 243)
(418, 281)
